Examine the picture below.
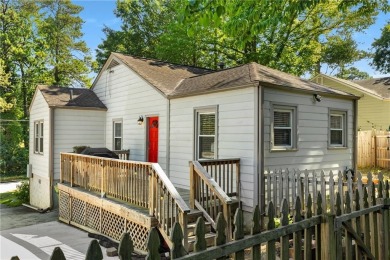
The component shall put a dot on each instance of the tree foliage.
(289, 35)
(68, 57)
(381, 59)
(31, 36)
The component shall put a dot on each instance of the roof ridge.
(166, 62)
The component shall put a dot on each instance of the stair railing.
(207, 196)
(166, 204)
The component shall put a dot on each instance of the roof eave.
(79, 108)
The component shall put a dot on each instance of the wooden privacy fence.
(374, 149)
(355, 231)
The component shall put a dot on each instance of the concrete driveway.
(32, 235)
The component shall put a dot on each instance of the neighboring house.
(374, 102)
(60, 118)
(172, 114)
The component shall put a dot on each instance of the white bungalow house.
(172, 114)
(60, 118)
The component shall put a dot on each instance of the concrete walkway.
(8, 186)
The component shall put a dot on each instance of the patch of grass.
(12, 178)
(10, 199)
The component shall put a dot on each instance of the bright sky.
(98, 13)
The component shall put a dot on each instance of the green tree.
(381, 59)
(352, 73)
(288, 35)
(142, 23)
(68, 57)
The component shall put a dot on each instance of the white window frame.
(343, 114)
(202, 111)
(114, 137)
(292, 109)
(38, 136)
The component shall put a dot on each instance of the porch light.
(317, 98)
(140, 120)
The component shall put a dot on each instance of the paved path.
(33, 235)
(8, 186)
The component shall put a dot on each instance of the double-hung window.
(337, 128)
(283, 127)
(206, 133)
(38, 137)
(117, 135)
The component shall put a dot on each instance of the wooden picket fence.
(373, 149)
(359, 227)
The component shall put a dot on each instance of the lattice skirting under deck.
(87, 212)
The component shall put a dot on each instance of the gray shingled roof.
(245, 75)
(60, 97)
(162, 75)
(381, 86)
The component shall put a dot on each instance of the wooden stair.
(210, 234)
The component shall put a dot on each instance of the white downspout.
(168, 141)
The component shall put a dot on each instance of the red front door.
(153, 139)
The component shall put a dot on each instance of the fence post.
(384, 224)
(328, 247)
(375, 150)
(228, 218)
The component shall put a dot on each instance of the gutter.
(355, 135)
(51, 156)
(168, 138)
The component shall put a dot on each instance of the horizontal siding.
(40, 183)
(236, 133)
(312, 130)
(76, 128)
(127, 96)
(40, 111)
(372, 112)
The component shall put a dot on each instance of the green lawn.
(10, 199)
(13, 178)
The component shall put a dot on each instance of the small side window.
(283, 127)
(117, 135)
(206, 133)
(38, 137)
(337, 128)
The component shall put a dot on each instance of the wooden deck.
(110, 197)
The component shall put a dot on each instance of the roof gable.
(378, 88)
(162, 75)
(63, 97)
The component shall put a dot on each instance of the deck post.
(152, 191)
(71, 173)
(229, 227)
(184, 224)
(192, 186)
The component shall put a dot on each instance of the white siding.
(76, 128)
(40, 183)
(312, 129)
(236, 135)
(127, 96)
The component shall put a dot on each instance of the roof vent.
(221, 65)
(71, 95)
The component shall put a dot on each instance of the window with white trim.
(206, 133)
(38, 137)
(337, 128)
(117, 135)
(283, 127)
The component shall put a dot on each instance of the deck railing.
(140, 183)
(207, 196)
(166, 204)
(226, 172)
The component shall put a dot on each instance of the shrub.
(23, 192)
